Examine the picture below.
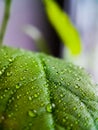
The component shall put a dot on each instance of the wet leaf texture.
(39, 92)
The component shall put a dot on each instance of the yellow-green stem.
(5, 20)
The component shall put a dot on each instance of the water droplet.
(25, 64)
(74, 108)
(65, 70)
(32, 113)
(6, 90)
(59, 101)
(64, 120)
(10, 60)
(71, 125)
(76, 122)
(62, 79)
(10, 115)
(45, 67)
(35, 95)
(59, 83)
(55, 86)
(61, 95)
(16, 105)
(79, 115)
(42, 104)
(18, 96)
(32, 87)
(18, 86)
(49, 108)
(8, 73)
(68, 84)
(27, 92)
(85, 124)
(10, 101)
(0, 72)
(75, 75)
(69, 71)
(21, 66)
(1, 97)
(13, 98)
(78, 79)
(22, 78)
(2, 117)
(30, 124)
(53, 105)
(76, 87)
(30, 98)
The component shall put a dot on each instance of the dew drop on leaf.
(42, 104)
(30, 98)
(32, 113)
(0, 72)
(49, 108)
(62, 79)
(16, 105)
(78, 78)
(55, 86)
(74, 108)
(76, 122)
(10, 60)
(13, 98)
(6, 90)
(79, 115)
(1, 97)
(76, 86)
(22, 78)
(18, 96)
(32, 87)
(59, 101)
(61, 95)
(30, 124)
(2, 117)
(10, 115)
(10, 101)
(8, 73)
(35, 95)
(18, 86)
(27, 92)
(53, 105)
(64, 120)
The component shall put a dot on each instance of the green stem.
(5, 20)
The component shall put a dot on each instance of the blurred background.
(83, 14)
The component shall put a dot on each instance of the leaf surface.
(39, 92)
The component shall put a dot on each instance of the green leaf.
(5, 20)
(39, 92)
(62, 24)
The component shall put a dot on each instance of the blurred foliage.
(5, 19)
(63, 26)
(38, 37)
